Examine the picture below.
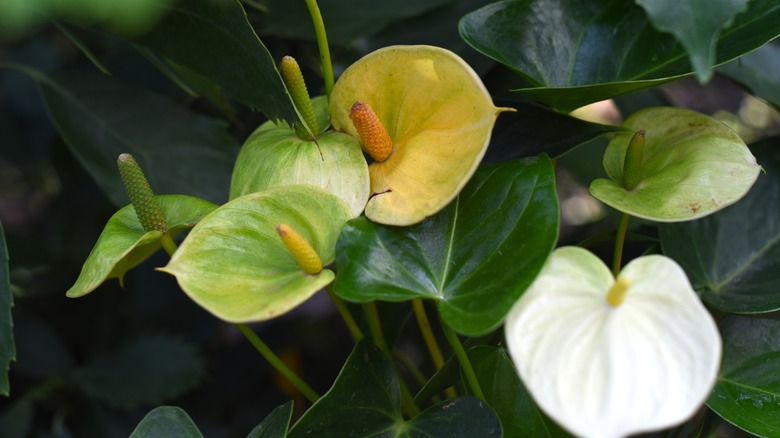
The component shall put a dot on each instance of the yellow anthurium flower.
(438, 115)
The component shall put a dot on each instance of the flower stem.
(346, 315)
(430, 339)
(372, 316)
(322, 43)
(168, 244)
(620, 239)
(277, 363)
(463, 358)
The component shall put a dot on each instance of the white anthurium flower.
(608, 357)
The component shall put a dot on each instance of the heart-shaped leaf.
(124, 243)
(100, 118)
(146, 370)
(697, 31)
(235, 265)
(7, 346)
(692, 166)
(747, 393)
(577, 52)
(274, 156)
(732, 256)
(365, 400)
(613, 357)
(275, 425)
(439, 117)
(475, 257)
(167, 421)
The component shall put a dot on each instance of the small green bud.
(146, 206)
(293, 80)
(632, 164)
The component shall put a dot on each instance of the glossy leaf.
(597, 49)
(166, 421)
(275, 156)
(747, 392)
(124, 243)
(439, 117)
(732, 256)
(692, 166)
(216, 40)
(275, 424)
(520, 417)
(234, 264)
(7, 345)
(146, 370)
(696, 24)
(476, 257)
(100, 118)
(630, 354)
(365, 401)
(756, 71)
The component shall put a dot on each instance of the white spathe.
(603, 371)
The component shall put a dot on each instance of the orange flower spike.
(376, 141)
(302, 252)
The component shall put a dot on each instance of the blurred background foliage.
(94, 367)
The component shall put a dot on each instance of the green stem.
(322, 43)
(463, 358)
(372, 316)
(277, 363)
(168, 244)
(620, 239)
(430, 339)
(346, 315)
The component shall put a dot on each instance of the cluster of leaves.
(474, 258)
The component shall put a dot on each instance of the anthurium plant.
(420, 235)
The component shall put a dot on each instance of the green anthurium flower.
(124, 243)
(250, 259)
(690, 166)
(608, 357)
(439, 118)
(274, 155)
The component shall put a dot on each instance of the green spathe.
(124, 243)
(692, 166)
(645, 364)
(234, 264)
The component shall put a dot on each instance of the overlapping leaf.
(756, 71)
(7, 345)
(475, 257)
(274, 425)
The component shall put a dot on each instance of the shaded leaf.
(146, 370)
(100, 118)
(756, 71)
(275, 424)
(732, 256)
(365, 400)
(41, 352)
(7, 345)
(124, 243)
(578, 52)
(166, 421)
(747, 392)
(696, 24)
(17, 418)
(475, 257)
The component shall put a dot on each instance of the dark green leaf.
(476, 257)
(168, 422)
(346, 20)
(215, 39)
(7, 346)
(533, 130)
(149, 369)
(17, 419)
(179, 151)
(506, 394)
(696, 24)
(365, 401)
(747, 392)
(577, 52)
(731, 257)
(757, 72)
(41, 352)
(275, 424)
